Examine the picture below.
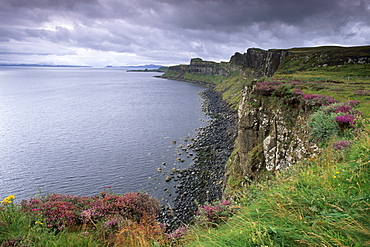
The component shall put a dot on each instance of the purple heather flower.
(348, 118)
(298, 91)
(343, 108)
(318, 99)
(339, 145)
(362, 92)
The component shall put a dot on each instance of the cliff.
(201, 72)
(272, 135)
(272, 114)
(260, 62)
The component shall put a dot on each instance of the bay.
(79, 131)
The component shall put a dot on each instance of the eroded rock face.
(284, 146)
(270, 137)
(197, 65)
(263, 63)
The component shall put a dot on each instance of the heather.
(337, 119)
(213, 214)
(290, 93)
(107, 219)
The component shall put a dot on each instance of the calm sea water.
(78, 131)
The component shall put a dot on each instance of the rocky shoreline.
(203, 182)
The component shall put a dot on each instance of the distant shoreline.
(161, 69)
(44, 65)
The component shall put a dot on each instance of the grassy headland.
(322, 201)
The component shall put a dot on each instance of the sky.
(169, 32)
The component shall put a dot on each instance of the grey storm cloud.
(172, 31)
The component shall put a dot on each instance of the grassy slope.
(339, 81)
(322, 202)
(319, 202)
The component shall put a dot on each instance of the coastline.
(203, 181)
(200, 83)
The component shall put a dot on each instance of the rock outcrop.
(197, 65)
(270, 136)
(200, 67)
(261, 62)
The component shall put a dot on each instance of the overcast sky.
(168, 32)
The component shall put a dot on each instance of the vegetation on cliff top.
(327, 63)
(323, 201)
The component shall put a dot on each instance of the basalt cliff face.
(271, 136)
(198, 67)
(260, 62)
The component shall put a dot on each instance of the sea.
(82, 130)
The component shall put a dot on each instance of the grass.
(18, 229)
(358, 89)
(353, 74)
(231, 89)
(210, 79)
(321, 202)
(324, 201)
(194, 77)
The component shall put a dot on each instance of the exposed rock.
(263, 63)
(202, 182)
(197, 65)
(270, 137)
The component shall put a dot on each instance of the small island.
(160, 69)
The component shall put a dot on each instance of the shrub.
(130, 206)
(283, 90)
(317, 100)
(110, 210)
(343, 109)
(58, 211)
(345, 121)
(298, 92)
(330, 119)
(178, 233)
(266, 88)
(213, 214)
(340, 145)
(145, 232)
(323, 125)
(85, 221)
